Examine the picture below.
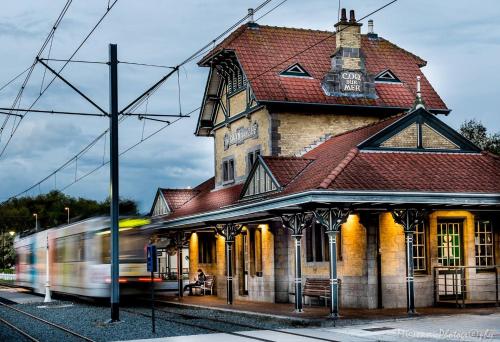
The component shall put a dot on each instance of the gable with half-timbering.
(419, 131)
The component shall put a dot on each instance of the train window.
(132, 248)
(70, 248)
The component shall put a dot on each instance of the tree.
(476, 132)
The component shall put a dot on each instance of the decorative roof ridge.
(178, 189)
(422, 62)
(339, 168)
(479, 154)
(490, 154)
(287, 158)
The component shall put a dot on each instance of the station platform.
(311, 315)
(18, 295)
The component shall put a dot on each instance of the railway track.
(65, 331)
(183, 316)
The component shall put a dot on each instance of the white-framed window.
(484, 243)
(228, 170)
(419, 249)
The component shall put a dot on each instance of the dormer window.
(296, 70)
(387, 76)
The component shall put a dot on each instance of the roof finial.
(419, 102)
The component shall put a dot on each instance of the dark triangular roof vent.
(387, 76)
(295, 70)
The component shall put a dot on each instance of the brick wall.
(296, 131)
(432, 139)
(406, 138)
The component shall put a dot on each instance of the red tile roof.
(285, 169)
(337, 164)
(433, 172)
(176, 198)
(266, 51)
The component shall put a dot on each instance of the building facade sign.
(351, 81)
(240, 135)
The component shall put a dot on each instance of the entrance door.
(451, 279)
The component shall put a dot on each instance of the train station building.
(335, 178)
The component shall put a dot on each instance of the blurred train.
(79, 257)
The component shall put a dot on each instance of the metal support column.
(332, 219)
(409, 218)
(229, 270)
(297, 223)
(298, 274)
(410, 289)
(114, 191)
(229, 231)
(334, 281)
(179, 270)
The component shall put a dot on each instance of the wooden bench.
(317, 288)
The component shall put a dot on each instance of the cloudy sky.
(459, 39)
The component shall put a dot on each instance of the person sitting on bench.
(198, 282)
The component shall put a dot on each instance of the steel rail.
(25, 334)
(48, 323)
(198, 326)
(246, 325)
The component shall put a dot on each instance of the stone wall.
(240, 152)
(287, 141)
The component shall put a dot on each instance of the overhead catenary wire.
(60, 70)
(31, 68)
(317, 43)
(15, 78)
(127, 111)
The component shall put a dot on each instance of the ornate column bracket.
(409, 219)
(332, 219)
(229, 231)
(297, 223)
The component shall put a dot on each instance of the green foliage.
(7, 253)
(476, 132)
(17, 214)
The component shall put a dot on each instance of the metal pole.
(298, 274)
(334, 282)
(153, 323)
(179, 271)
(3, 250)
(47, 298)
(229, 265)
(114, 191)
(410, 293)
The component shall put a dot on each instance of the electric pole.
(114, 191)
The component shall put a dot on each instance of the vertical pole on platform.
(114, 191)
(298, 273)
(410, 291)
(334, 282)
(179, 269)
(229, 265)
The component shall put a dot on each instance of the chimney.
(348, 32)
(348, 76)
(371, 34)
(251, 23)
